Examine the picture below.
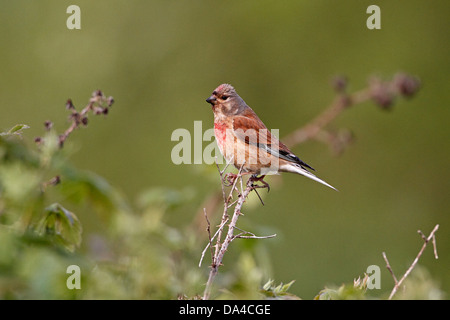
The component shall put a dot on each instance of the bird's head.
(225, 100)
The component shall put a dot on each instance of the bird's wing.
(252, 130)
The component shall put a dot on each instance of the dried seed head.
(339, 83)
(406, 85)
(75, 116)
(55, 180)
(48, 125)
(110, 101)
(381, 94)
(383, 98)
(98, 110)
(69, 105)
(61, 140)
(97, 93)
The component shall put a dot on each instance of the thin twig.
(388, 266)
(240, 236)
(210, 242)
(226, 206)
(383, 93)
(221, 174)
(316, 125)
(397, 285)
(225, 209)
(434, 247)
(208, 229)
(98, 104)
(251, 235)
(221, 247)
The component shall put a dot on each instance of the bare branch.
(388, 266)
(209, 234)
(255, 237)
(383, 93)
(211, 239)
(431, 237)
(98, 104)
(222, 246)
(434, 247)
(250, 235)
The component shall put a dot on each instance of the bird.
(244, 140)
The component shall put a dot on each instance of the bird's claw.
(229, 179)
(255, 178)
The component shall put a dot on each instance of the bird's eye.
(224, 97)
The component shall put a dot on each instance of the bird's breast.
(220, 131)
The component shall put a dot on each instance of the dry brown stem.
(222, 246)
(98, 104)
(426, 240)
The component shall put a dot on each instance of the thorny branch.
(426, 240)
(98, 104)
(382, 93)
(222, 246)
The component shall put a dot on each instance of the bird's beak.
(212, 100)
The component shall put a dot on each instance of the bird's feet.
(255, 178)
(229, 179)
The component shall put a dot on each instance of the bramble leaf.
(17, 130)
(61, 226)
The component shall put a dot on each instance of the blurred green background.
(161, 59)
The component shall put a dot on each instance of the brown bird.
(245, 141)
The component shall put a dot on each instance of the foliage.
(271, 291)
(419, 286)
(40, 238)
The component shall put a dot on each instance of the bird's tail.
(308, 174)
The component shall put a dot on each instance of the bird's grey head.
(224, 99)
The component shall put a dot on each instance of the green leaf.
(82, 186)
(61, 226)
(268, 285)
(17, 130)
(285, 288)
(344, 292)
(278, 292)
